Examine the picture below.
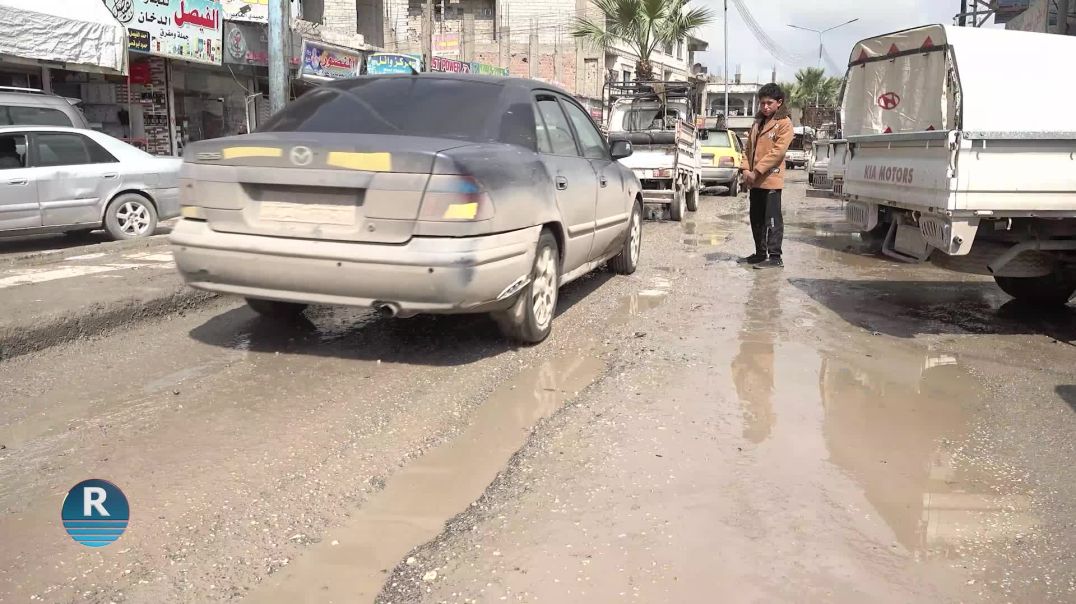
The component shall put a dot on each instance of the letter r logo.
(93, 497)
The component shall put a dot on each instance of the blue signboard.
(391, 62)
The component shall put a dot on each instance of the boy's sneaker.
(752, 259)
(771, 262)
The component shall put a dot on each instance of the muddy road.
(844, 429)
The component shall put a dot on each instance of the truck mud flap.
(905, 242)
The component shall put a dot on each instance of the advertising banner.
(445, 65)
(381, 63)
(181, 29)
(446, 45)
(326, 63)
(248, 44)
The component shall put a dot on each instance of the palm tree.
(813, 88)
(643, 26)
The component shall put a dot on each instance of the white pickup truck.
(658, 118)
(944, 165)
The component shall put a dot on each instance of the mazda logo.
(301, 156)
(889, 100)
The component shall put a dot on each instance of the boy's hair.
(772, 91)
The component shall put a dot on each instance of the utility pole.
(279, 26)
(726, 78)
(963, 16)
(1063, 17)
(427, 35)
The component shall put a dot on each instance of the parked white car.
(56, 179)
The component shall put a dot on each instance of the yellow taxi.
(721, 153)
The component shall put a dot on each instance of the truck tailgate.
(910, 169)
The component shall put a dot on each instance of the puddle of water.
(639, 303)
(422, 496)
(894, 422)
(895, 418)
(703, 234)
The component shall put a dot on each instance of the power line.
(780, 54)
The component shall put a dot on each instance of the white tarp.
(904, 95)
(82, 34)
(994, 67)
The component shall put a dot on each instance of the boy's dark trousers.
(767, 224)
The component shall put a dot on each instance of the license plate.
(311, 213)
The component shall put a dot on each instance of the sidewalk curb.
(98, 319)
(51, 256)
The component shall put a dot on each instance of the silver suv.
(32, 107)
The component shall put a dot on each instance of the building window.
(669, 48)
(627, 75)
(314, 11)
(679, 49)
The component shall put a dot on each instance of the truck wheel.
(875, 238)
(530, 319)
(678, 206)
(693, 200)
(627, 260)
(1054, 289)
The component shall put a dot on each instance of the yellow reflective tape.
(371, 162)
(461, 211)
(237, 152)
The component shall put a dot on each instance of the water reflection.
(753, 365)
(898, 423)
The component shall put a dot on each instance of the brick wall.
(340, 15)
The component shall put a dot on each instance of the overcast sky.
(875, 17)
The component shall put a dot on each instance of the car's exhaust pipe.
(386, 310)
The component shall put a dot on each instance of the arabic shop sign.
(382, 63)
(453, 66)
(248, 44)
(179, 29)
(324, 63)
(254, 10)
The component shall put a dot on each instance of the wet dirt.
(347, 565)
(846, 429)
(840, 431)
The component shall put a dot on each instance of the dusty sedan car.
(56, 179)
(411, 194)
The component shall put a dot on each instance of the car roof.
(507, 82)
(32, 98)
(17, 128)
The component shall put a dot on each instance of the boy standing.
(763, 173)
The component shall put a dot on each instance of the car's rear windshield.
(408, 106)
(18, 115)
(718, 139)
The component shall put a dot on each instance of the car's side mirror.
(620, 149)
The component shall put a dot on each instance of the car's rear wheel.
(130, 216)
(530, 319)
(734, 188)
(627, 260)
(276, 309)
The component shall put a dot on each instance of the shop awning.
(82, 35)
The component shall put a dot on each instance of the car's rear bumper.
(425, 275)
(719, 175)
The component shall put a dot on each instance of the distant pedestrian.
(763, 173)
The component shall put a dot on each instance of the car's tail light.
(452, 198)
(726, 162)
(708, 160)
